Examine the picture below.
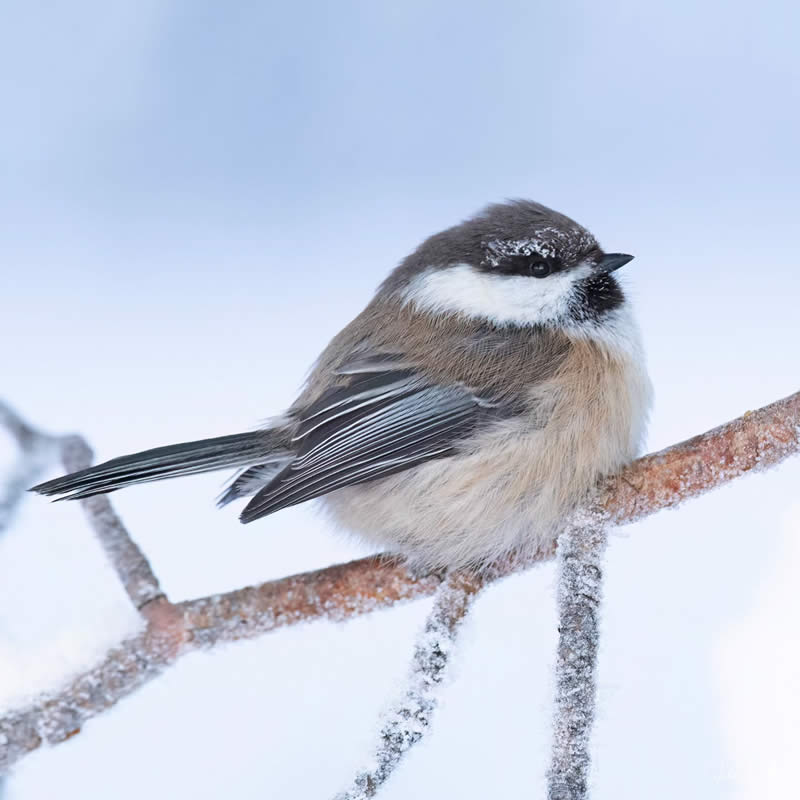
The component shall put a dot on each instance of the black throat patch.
(595, 297)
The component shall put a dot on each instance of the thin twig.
(755, 441)
(24, 435)
(132, 568)
(55, 717)
(408, 719)
(581, 547)
(36, 450)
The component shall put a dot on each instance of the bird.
(495, 377)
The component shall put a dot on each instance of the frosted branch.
(132, 568)
(57, 716)
(580, 554)
(756, 441)
(335, 593)
(409, 718)
(23, 434)
(35, 451)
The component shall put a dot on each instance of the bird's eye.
(527, 266)
(539, 269)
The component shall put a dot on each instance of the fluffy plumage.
(494, 378)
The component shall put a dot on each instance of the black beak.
(612, 261)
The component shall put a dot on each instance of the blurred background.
(194, 197)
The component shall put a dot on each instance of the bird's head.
(515, 263)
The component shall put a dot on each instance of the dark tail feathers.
(188, 458)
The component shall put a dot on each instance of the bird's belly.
(471, 509)
(512, 486)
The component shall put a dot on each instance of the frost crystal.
(498, 249)
(569, 244)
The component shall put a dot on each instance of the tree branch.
(132, 568)
(756, 441)
(36, 449)
(407, 720)
(581, 547)
(335, 593)
(753, 442)
(26, 437)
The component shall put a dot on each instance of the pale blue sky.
(137, 121)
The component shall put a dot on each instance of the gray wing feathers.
(249, 481)
(360, 363)
(379, 424)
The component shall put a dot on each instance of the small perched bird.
(494, 378)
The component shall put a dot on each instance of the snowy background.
(195, 196)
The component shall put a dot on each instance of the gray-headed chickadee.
(496, 375)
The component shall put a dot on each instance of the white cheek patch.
(500, 299)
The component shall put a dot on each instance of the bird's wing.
(385, 418)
